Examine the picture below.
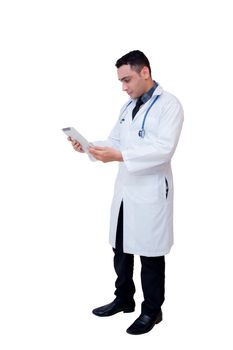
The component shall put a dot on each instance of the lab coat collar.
(158, 91)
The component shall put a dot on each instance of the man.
(143, 141)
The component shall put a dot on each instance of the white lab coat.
(144, 181)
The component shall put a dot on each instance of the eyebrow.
(127, 77)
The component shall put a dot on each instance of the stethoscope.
(141, 132)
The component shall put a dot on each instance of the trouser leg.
(123, 264)
(153, 284)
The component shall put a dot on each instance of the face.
(134, 83)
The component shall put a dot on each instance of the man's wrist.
(119, 157)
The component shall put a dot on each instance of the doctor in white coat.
(143, 141)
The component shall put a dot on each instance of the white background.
(57, 69)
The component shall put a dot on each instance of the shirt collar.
(149, 93)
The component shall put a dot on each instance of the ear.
(145, 72)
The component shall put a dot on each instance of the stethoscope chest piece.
(141, 133)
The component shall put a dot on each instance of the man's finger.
(97, 148)
(94, 152)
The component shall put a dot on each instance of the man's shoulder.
(170, 99)
(126, 105)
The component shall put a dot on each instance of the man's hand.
(76, 145)
(105, 154)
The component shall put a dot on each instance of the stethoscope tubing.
(141, 132)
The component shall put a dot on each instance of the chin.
(132, 96)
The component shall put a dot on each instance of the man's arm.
(106, 154)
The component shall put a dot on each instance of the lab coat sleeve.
(113, 139)
(159, 148)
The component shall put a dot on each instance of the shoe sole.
(158, 320)
(128, 310)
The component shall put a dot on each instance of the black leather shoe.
(113, 308)
(144, 323)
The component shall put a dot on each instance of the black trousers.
(152, 275)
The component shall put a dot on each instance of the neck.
(149, 85)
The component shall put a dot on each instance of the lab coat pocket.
(167, 188)
(163, 187)
(146, 189)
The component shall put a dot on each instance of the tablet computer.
(74, 134)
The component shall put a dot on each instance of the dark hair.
(136, 59)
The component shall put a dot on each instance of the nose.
(124, 87)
